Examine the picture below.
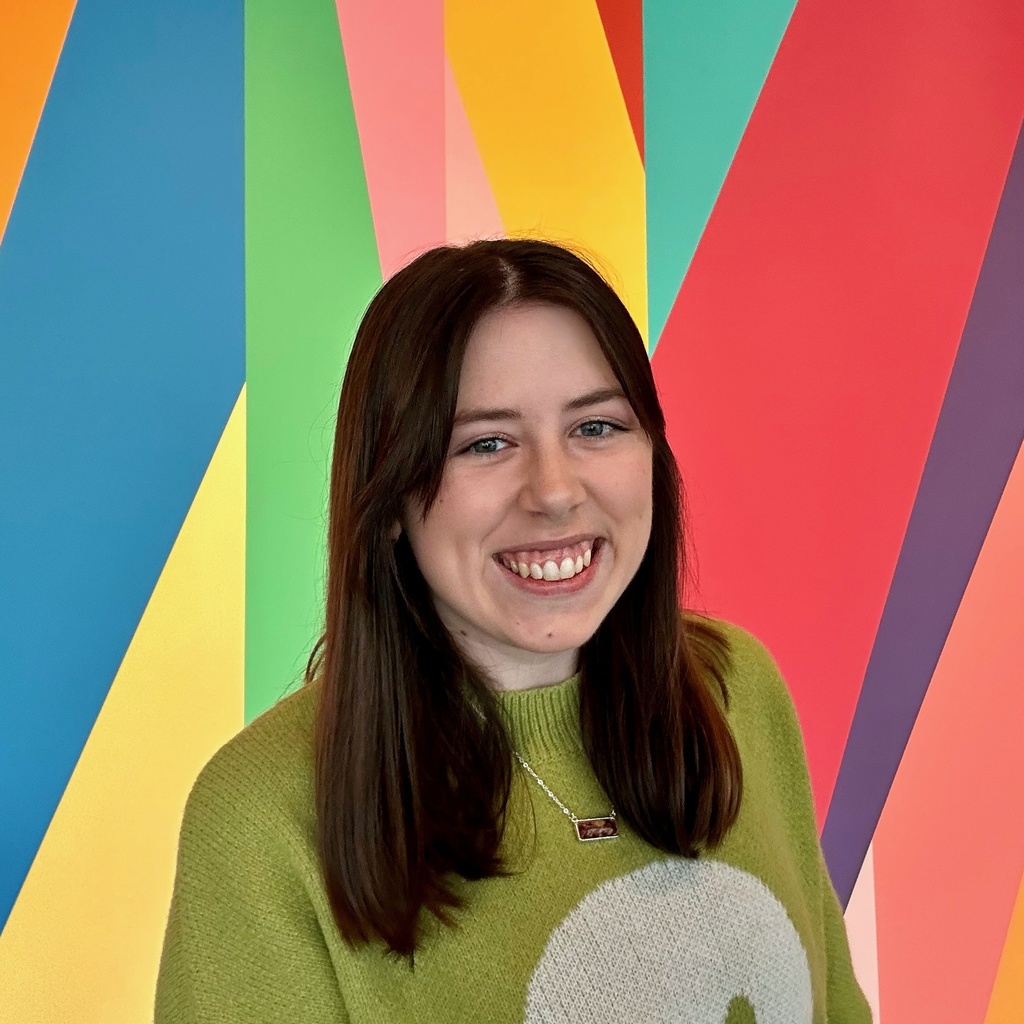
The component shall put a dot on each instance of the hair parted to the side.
(412, 782)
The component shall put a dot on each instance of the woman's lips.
(550, 562)
(556, 587)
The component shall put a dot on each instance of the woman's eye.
(597, 428)
(485, 446)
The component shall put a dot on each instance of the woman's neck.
(515, 669)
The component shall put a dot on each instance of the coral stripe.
(31, 37)
(819, 322)
(83, 940)
(543, 98)
(394, 53)
(1008, 991)
(949, 848)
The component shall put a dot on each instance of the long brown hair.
(412, 782)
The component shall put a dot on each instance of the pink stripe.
(862, 934)
(394, 53)
(471, 209)
(949, 848)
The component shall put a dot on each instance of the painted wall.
(816, 214)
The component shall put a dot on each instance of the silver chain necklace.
(587, 829)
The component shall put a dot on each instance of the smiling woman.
(504, 648)
(544, 510)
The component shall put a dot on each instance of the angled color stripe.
(31, 35)
(950, 844)
(1008, 991)
(470, 209)
(818, 326)
(976, 439)
(623, 22)
(83, 941)
(704, 65)
(862, 933)
(121, 317)
(311, 267)
(394, 53)
(544, 102)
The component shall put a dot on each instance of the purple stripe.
(979, 432)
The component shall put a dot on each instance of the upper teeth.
(551, 569)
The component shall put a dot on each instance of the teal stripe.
(704, 65)
(311, 268)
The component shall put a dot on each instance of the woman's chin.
(548, 638)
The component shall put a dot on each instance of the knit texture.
(610, 930)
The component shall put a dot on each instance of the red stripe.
(623, 28)
(804, 363)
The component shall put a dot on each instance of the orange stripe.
(545, 107)
(1008, 991)
(31, 37)
(950, 844)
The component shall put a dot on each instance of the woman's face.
(548, 475)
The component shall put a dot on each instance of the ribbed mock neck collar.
(544, 722)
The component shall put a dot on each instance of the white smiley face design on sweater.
(674, 942)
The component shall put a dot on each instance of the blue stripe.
(122, 348)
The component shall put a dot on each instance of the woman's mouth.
(551, 566)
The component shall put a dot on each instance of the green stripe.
(311, 268)
(704, 65)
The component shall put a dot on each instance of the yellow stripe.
(544, 102)
(83, 941)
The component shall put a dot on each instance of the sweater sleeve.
(845, 1003)
(243, 941)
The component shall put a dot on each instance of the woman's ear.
(396, 530)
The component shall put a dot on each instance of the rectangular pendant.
(588, 829)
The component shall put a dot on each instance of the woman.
(519, 785)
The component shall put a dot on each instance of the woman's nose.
(553, 485)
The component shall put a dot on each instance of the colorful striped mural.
(815, 211)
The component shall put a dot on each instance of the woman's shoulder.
(748, 663)
(757, 694)
(266, 768)
(764, 722)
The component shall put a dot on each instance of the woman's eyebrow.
(594, 398)
(582, 402)
(476, 415)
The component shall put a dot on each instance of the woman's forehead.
(531, 347)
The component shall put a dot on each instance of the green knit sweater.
(608, 930)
